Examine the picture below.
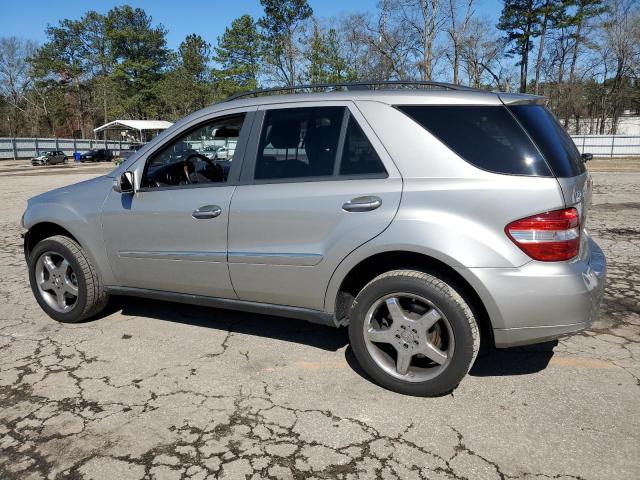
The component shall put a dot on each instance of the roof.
(388, 96)
(135, 125)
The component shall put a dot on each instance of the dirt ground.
(168, 391)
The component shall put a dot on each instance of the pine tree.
(238, 53)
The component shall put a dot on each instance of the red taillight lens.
(549, 237)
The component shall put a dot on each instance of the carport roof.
(139, 125)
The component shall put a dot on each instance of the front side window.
(201, 156)
(299, 143)
(486, 136)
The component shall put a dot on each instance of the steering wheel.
(189, 160)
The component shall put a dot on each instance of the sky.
(208, 18)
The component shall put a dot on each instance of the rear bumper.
(542, 301)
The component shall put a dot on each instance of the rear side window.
(299, 143)
(488, 137)
(554, 142)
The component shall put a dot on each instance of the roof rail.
(366, 85)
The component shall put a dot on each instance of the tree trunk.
(543, 32)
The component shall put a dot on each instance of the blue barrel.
(76, 156)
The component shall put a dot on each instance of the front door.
(316, 184)
(171, 235)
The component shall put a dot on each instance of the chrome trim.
(260, 258)
(214, 257)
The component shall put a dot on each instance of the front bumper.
(541, 301)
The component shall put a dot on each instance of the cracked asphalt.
(168, 391)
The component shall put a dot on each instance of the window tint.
(298, 143)
(554, 142)
(485, 136)
(358, 155)
(203, 155)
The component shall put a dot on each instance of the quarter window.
(203, 155)
(488, 137)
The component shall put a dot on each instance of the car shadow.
(492, 362)
(499, 362)
(268, 326)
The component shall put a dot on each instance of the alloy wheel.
(57, 282)
(408, 337)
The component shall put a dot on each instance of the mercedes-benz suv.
(426, 220)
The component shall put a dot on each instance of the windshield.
(553, 141)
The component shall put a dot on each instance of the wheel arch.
(42, 230)
(370, 267)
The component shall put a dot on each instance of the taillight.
(549, 237)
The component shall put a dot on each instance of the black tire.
(444, 298)
(92, 297)
(65, 160)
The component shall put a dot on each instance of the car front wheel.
(64, 281)
(413, 333)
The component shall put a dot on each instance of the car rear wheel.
(413, 333)
(64, 281)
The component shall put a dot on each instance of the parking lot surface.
(169, 391)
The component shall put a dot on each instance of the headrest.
(285, 134)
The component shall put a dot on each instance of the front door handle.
(206, 211)
(362, 204)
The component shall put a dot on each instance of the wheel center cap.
(407, 336)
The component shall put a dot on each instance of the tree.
(281, 23)
(140, 54)
(457, 32)
(481, 53)
(325, 62)
(520, 19)
(186, 86)
(15, 77)
(238, 53)
(551, 14)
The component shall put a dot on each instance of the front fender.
(76, 209)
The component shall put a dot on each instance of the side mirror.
(586, 157)
(125, 183)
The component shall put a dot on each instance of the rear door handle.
(206, 211)
(362, 204)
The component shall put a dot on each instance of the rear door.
(315, 185)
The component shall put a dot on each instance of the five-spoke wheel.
(64, 281)
(57, 282)
(419, 335)
(413, 333)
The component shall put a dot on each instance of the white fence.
(608, 145)
(13, 148)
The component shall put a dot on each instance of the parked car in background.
(425, 221)
(216, 152)
(50, 158)
(100, 155)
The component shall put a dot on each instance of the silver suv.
(425, 220)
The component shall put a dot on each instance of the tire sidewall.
(446, 303)
(74, 315)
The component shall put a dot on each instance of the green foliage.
(325, 62)
(186, 86)
(140, 56)
(238, 53)
(280, 24)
